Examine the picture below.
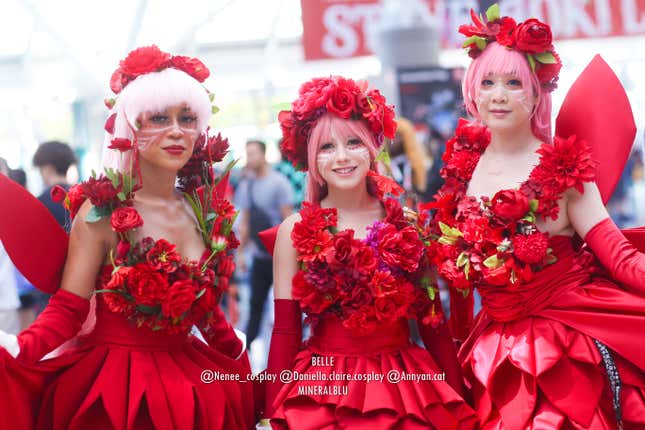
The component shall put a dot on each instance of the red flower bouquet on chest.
(364, 282)
(495, 241)
(148, 281)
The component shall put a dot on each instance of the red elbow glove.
(461, 314)
(438, 341)
(60, 321)
(285, 344)
(221, 336)
(623, 261)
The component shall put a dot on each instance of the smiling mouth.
(344, 170)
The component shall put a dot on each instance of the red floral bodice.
(368, 282)
(495, 241)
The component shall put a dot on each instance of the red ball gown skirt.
(318, 400)
(533, 360)
(122, 377)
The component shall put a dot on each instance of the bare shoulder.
(287, 225)
(99, 232)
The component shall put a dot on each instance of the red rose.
(162, 256)
(74, 200)
(122, 249)
(385, 308)
(179, 299)
(342, 247)
(342, 101)
(121, 144)
(191, 66)
(531, 249)
(58, 193)
(100, 191)
(359, 297)
(506, 35)
(310, 298)
(144, 60)
(510, 205)
(116, 301)
(400, 248)
(313, 96)
(147, 286)
(124, 219)
(533, 36)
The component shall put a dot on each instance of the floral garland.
(368, 282)
(496, 241)
(532, 37)
(147, 280)
(337, 95)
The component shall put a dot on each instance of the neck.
(157, 183)
(52, 180)
(261, 170)
(348, 199)
(512, 140)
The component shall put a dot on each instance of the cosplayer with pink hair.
(151, 246)
(553, 346)
(353, 262)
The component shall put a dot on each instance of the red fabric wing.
(35, 242)
(597, 110)
(268, 237)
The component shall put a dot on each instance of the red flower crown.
(340, 96)
(149, 59)
(532, 37)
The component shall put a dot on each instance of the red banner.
(338, 28)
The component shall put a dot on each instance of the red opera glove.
(623, 261)
(285, 344)
(60, 321)
(461, 314)
(221, 336)
(439, 343)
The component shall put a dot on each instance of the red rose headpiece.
(149, 59)
(531, 37)
(337, 95)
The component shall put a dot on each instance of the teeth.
(345, 170)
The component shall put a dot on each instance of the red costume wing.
(597, 110)
(268, 237)
(35, 242)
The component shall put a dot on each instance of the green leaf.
(467, 271)
(513, 276)
(445, 240)
(149, 310)
(211, 216)
(121, 195)
(493, 13)
(431, 293)
(462, 260)
(446, 230)
(384, 156)
(493, 262)
(211, 96)
(464, 293)
(480, 42)
(546, 58)
(534, 203)
(201, 293)
(531, 61)
(96, 213)
(214, 109)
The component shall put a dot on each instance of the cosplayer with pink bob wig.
(499, 59)
(328, 127)
(151, 93)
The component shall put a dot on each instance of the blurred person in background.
(296, 179)
(264, 198)
(53, 160)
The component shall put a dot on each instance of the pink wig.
(327, 127)
(153, 92)
(499, 59)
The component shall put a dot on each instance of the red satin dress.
(315, 404)
(532, 359)
(123, 377)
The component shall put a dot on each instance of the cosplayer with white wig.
(136, 364)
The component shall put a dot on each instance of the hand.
(232, 307)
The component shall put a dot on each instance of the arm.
(591, 221)
(461, 314)
(68, 308)
(287, 328)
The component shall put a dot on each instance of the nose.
(341, 152)
(499, 94)
(176, 131)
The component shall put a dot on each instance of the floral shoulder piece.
(495, 241)
(148, 281)
(364, 282)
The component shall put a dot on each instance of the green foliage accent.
(493, 13)
(546, 58)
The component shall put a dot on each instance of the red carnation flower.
(144, 60)
(506, 35)
(531, 249)
(100, 191)
(162, 256)
(116, 301)
(74, 199)
(125, 219)
(384, 185)
(192, 66)
(401, 249)
(146, 285)
(121, 144)
(309, 296)
(179, 299)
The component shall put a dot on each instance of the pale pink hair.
(326, 126)
(153, 92)
(499, 59)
